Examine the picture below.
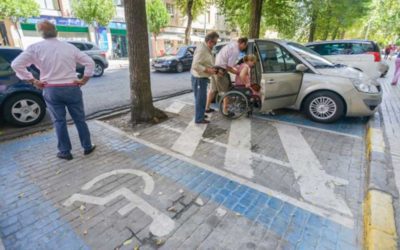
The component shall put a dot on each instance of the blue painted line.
(29, 221)
(293, 224)
(346, 125)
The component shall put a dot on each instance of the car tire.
(24, 109)
(324, 107)
(98, 69)
(179, 68)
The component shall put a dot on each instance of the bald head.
(47, 29)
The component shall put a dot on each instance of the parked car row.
(21, 104)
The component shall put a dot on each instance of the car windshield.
(311, 56)
(176, 51)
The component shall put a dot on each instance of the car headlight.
(364, 87)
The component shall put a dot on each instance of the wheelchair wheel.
(237, 104)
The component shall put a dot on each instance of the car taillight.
(103, 54)
(377, 56)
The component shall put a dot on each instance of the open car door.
(280, 82)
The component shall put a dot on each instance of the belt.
(46, 85)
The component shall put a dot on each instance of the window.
(5, 67)
(276, 59)
(80, 46)
(119, 3)
(332, 49)
(49, 4)
(361, 48)
(170, 9)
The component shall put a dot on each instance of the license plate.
(158, 65)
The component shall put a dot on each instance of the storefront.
(119, 40)
(68, 29)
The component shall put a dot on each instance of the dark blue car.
(175, 59)
(21, 104)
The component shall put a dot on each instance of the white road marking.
(148, 180)
(337, 180)
(328, 213)
(309, 127)
(161, 224)
(238, 153)
(189, 139)
(175, 107)
(316, 186)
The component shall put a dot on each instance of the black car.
(21, 104)
(177, 60)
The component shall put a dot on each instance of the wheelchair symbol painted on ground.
(161, 225)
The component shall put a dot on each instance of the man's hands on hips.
(36, 83)
(82, 81)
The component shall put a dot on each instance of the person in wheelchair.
(243, 78)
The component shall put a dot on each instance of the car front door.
(280, 82)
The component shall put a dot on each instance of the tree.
(94, 12)
(192, 9)
(14, 10)
(157, 17)
(142, 109)
(255, 18)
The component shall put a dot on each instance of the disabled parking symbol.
(161, 225)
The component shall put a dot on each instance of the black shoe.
(205, 116)
(203, 122)
(210, 110)
(230, 114)
(67, 157)
(88, 151)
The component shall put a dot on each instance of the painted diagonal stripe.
(316, 186)
(238, 153)
(189, 139)
(175, 107)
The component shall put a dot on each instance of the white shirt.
(228, 55)
(55, 59)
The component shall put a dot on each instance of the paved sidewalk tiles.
(197, 207)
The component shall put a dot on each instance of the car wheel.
(324, 107)
(98, 69)
(24, 109)
(179, 68)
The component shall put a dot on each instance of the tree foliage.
(18, 9)
(94, 12)
(191, 9)
(157, 16)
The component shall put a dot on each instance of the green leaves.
(157, 15)
(18, 9)
(94, 11)
(198, 7)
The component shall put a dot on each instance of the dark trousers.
(58, 99)
(199, 86)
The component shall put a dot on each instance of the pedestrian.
(226, 59)
(202, 69)
(387, 52)
(61, 89)
(396, 71)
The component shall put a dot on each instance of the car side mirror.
(301, 67)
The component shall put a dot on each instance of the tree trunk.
(142, 109)
(255, 18)
(313, 26)
(189, 22)
(335, 33)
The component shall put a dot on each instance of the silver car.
(294, 76)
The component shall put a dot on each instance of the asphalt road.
(109, 92)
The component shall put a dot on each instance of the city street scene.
(195, 124)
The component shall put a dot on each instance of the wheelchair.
(241, 100)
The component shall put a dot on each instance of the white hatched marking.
(175, 107)
(328, 213)
(189, 139)
(316, 186)
(238, 153)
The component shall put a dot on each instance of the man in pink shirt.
(56, 61)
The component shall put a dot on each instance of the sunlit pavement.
(246, 184)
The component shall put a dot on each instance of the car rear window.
(344, 48)
(80, 46)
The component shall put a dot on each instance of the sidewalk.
(178, 186)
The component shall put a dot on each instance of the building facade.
(112, 38)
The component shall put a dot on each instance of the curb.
(379, 223)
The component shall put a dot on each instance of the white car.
(363, 55)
